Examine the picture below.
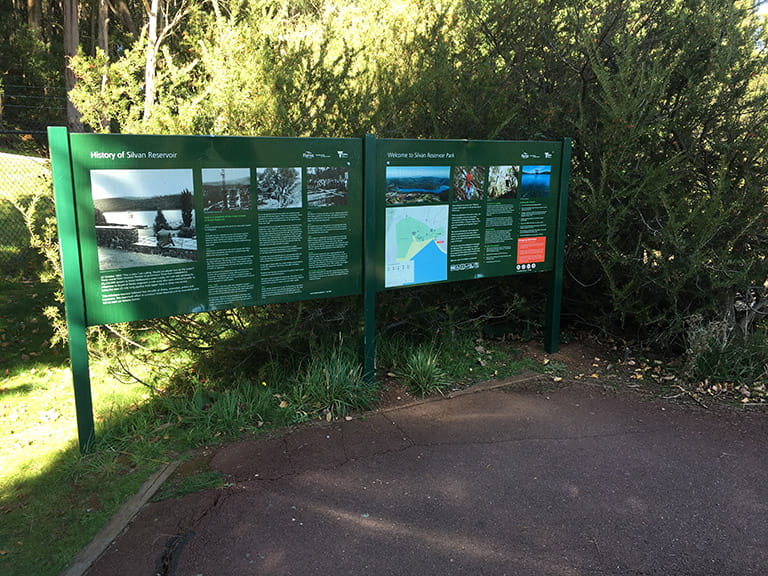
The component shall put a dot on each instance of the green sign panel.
(458, 210)
(178, 224)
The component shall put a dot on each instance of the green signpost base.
(555, 288)
(69, 244)
(369, 255)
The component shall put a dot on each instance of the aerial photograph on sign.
(503, 182)
(535, 181)
(468, 182)
(416, 245)
(278, 188)
(226, 189)
(144, 217)
(327, 186)
(417, 184)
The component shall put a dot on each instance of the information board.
(178, 224)
(452, 210)
(155, 226)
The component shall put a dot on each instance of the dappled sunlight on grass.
(38, 417)
(53, 499)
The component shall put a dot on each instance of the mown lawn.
(52, 500)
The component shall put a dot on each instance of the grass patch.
(422, 371)
(739, 360)
(329, 385)
(725, 364)
(24, 331)
(18, 171)
(52, 499)
(49, 515)
(208, 411)
(475, 360)
(427, 367)
(23, 177)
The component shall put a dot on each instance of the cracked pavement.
(573, 481)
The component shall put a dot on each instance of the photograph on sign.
(417, 184)
(327, 186)
(143, 217)
(503, 182)
(226, 189)
(468, 183)
(279, 188)
(535, 181)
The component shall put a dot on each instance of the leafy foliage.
(669, 132)
(666, 103)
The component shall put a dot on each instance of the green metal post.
(369, 257)
(74, 297)
(555, 289)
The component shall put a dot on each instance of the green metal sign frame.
(156, 226)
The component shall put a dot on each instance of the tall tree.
(103, 25)
(169, 14)
(150, 71)
(35, 16)
(71, 13)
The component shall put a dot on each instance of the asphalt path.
(515, 481)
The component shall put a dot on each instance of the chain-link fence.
(24, 177)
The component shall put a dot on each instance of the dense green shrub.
(666, 103)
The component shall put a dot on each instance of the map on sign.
(416, 245)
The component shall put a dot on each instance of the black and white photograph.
(144, 217)
(226, 189)
(327, 186)
(278, 188)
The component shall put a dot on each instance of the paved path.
(574, 481)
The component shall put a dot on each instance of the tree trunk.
(104, 26)
(71, 42)
(124, 15)
(35, 16)
(103, 37)
(150, 72)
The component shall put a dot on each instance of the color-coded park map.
(416, 245)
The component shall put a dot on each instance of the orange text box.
(530, 250)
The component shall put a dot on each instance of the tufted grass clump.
(422, 372)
